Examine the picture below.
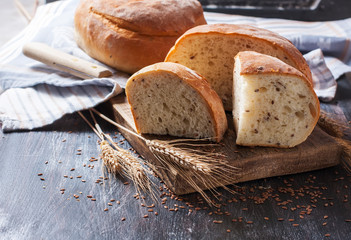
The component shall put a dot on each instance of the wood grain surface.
(31, 208)
(319, 151)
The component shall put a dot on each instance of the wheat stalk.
(120, 161)
(209, 169)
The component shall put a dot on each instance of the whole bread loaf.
(274, 103)
(168, 98)
(131, 34)
(210, 51)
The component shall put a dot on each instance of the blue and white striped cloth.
(34, 95)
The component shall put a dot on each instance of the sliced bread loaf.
(210, 51)
(274, 104)
(168, 98)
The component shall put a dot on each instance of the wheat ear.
(210, 169)
(120, 161)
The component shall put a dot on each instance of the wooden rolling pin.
(64, 62)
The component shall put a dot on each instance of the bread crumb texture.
(164, 103)
(272, 108)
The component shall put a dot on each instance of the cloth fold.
(34, 95)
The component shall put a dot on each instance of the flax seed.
(106, 209)
(217, 221)
(228, 230)
(327, 235)
(123, 219)
(249, 222)
(93, 199)
(110, 204)
(40, 174)
(145, 216)
(296, 225)
(89, 196)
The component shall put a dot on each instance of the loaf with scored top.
(131, 34)
(168, 98)
(210, 51)
(274, 103)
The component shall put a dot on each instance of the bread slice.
(168, 98)
(210, 51)
(274, 104)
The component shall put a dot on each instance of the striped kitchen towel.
(34, 95)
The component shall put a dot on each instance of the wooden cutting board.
(319, 151)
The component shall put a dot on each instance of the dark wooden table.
(312, 205)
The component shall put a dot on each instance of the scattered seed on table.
(325, 217)
(217, 221)
(43, 179)
(40, 174)
(110, 204)
(72, 169)
(291, 220)
(118, 202)
(145, 216)
(83, 180)
(79, 176)
(106, 209)
(324, 224)
(123, 219)
(228, 230)
(46, 162)
(296, 225)
(266, 218)
(93, 199)
(156, 213)
(280, 219)
(347, 220)
(249, 222)
(112, 200)
(65, 176)
(89, 196)
(327, 235)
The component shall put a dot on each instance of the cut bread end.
(274, 104)
(170, 99)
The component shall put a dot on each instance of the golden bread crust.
(131, 34)
(253, 33)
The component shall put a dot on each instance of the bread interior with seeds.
(170, 99)
(210, 51)
(274, 104)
